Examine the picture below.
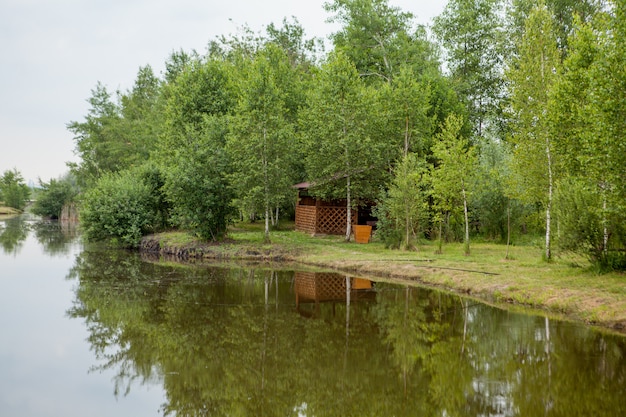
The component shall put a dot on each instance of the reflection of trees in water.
(474, 360)
(13, 233)
(230, 342)
(54, 236)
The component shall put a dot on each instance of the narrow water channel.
(92, 331)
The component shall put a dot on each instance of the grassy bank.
(8, 211)
(566, 287)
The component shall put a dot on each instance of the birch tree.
(406, 202)
(471, 32)
(261, 137)
(452, 175)
(532, 76)
(588, 108)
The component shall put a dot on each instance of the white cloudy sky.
(53, 52)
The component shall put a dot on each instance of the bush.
(120, 209)
(200, 195)
(583, 221)
(196, 182)
(13, 190)
(387, 230)
(54, 195)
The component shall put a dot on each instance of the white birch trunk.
(467, 243)
(266, 189)
(349, 211)
(549, 205)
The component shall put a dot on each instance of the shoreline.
(504, 284)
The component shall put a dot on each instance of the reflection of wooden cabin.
(318, 287)
(318, 216)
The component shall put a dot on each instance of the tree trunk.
(407, 218)
(349, 211)
(266, 237)
(406, 136)
(467, 241)
(605, 229)
(549, 205)
(440, 245)
(508, 227)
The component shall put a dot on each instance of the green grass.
(565, 286)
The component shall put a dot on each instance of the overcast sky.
(53, 52)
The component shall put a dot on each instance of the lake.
(93, 331)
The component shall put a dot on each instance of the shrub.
(13, 190)
(118, 209)
(584, 220)
(54, 195)
(199, 193)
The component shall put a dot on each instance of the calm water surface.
(90, 331)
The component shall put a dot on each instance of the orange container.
(362, 233)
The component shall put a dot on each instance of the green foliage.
(472, 35)
(404, 207)
(388, 230)
(119, 209)
(196, 182)
(563, 11)
(345, 156)
(532, 79)
(379, 39)
(202, 88)
(155, 178)
(118, 133)
(54, 195)
(260, 136)
(13, 190)
(452, 175)
(260, 111)
(588, 228)
(407, 108)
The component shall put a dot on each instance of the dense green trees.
(535, 89)
(13, 190)
(261, 140)
(55, 194)
(345, 158)
(471, 33)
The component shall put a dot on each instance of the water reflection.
(13, 233)
(313, 288)
(52, 235)
(241, 341)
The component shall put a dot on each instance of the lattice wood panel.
(332, 220)
(305, 218)
(320, 286)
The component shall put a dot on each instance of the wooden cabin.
(319, 216)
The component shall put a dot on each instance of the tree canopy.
(512, 110)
